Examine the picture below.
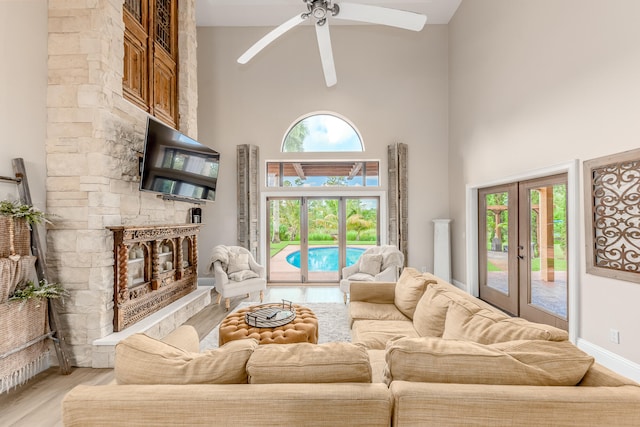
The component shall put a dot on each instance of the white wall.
(538, 83)
(392, 84)
(23, 93)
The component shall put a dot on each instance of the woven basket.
(14, 273)
(15, 237)
(22, 322)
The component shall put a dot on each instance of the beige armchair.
(236, 273)
(376, 264)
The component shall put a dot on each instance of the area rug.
(333, 324)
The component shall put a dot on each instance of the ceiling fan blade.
(270, 37)
(381, 15)
(326, 54)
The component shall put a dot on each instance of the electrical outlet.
(614, 336)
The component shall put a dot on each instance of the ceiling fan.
(320, 10)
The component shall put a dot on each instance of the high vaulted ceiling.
(271, 13)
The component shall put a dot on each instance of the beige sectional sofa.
(424, 353)
(169, 383)
(452, 360)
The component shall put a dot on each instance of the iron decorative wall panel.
(612, 196)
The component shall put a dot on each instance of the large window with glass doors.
(312, 238)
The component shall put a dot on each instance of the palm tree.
(358, 224)
(294, 141)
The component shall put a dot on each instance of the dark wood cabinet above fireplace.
(153, 267)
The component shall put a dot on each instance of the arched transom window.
(321, 133)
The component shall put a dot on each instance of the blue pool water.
(325, 258)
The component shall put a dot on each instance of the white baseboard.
(611, 360)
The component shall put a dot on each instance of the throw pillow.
(409, 290)
(143, 360)
(335, 362)
(540, 363)
(361, 277)
(241, 275)
(370, 264)
(238, 262)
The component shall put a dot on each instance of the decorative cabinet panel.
(135, 82)
(151, 57)
(153, 266)
(165, 96)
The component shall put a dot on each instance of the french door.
(311, 239)
(523, 250)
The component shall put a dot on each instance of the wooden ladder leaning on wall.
(41, 269)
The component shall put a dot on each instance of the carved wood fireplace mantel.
(153, 266)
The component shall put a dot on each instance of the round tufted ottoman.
(304, 328)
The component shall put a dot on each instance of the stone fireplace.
(94, 138)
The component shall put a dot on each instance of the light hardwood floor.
(38, 402)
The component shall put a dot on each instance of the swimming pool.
(325, 258)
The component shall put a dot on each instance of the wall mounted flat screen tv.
(177, 166)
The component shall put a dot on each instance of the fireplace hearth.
(153, 267)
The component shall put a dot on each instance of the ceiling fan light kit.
(320, 10)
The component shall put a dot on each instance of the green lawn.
(491, 267)
(559, 265)
(277, 247)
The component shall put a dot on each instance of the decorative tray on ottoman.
(271, 315)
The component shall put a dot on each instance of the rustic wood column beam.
(354, 170)
(299, 171)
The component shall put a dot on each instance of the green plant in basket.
(42, 290)
(13, 214)
(16, 209)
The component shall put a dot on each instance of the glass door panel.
(284, 244)
(543, 279)
(323, 225)
(362, 227)
(498, 266)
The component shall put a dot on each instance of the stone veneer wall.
(93, 138)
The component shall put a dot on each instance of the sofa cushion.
(409, 290)
(143, 360)
(184, 337)
(359, 310)
(431, 311)
(241, 275)
(335, 362)
(525, 362)
(466, 321)
(378, 363)
(370, 264)
(374, 334)
(238, 262)
(458, 293)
